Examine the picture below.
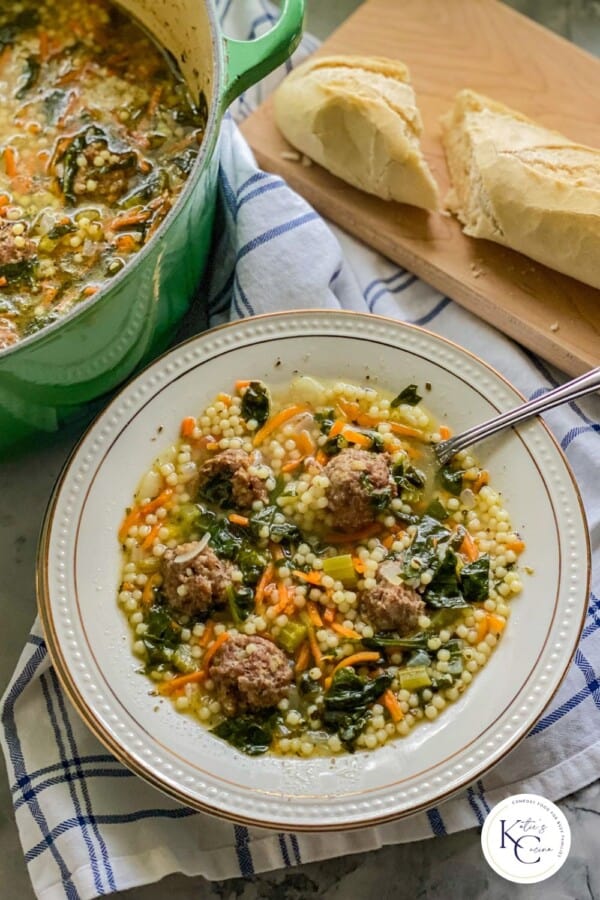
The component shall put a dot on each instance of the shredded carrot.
(329, 616)
(390, 702)
(132, 218)
(495, 623)
(43, 46)
(337, 428)
(90, 290)
(469, 547)
(10, 161)
(218, 642)
(3, 281)
(235, 519)
(277, 420)
(141, 511)
(154, 101)
(345, 632)
(175, 684)
(152, 534)
(207, 635)
(303, 657)
(358, 564)
(516, 546)
(366, 421)
(148, 592)
(357, 437)
(125, 243)
(314, 647)
(4, 199)
(225, 399)
(127, 586)
(293, 464)
(305, 443)
(483, 627)
(354, 536)
(212, 445)
(357, 659)
(445, 432)
(276, 551)
(481, 480)
(321, 458)
(265, 579)
(240, 385)
(187, 426)
(350, 409)
(283, 602)
(314, 615)
(388, 541)
(310, 577)
(407, 431)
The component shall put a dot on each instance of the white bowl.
(88, 636)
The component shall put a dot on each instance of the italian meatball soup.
(97, 137)
(302, 578)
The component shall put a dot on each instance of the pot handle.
(247, 62)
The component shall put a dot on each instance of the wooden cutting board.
(448, 45)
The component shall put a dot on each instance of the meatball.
(392, 607)
(12, 256)
(226, 480)
(250, 673)
(357, 481)
(195, 583)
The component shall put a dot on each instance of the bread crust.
(357, 117)
(524, 186)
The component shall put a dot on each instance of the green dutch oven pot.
(47, 379)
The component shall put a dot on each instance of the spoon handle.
(584, 384)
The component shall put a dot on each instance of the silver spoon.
(585, 384)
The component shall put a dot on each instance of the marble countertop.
(452, 866)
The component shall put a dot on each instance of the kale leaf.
(30, 76)
(408, 478)
(325, 420)
(347, 703)
(444, 590)
(225, 539)
(284, 531)
(437, 510)
(475, 579)
(252, 734)
(335, 445)
(162, 633)
(381, 641)
(427, 548)
(27, 18)
(451, 479)
(240, 602)
(218, 489)
(409, 396)
(256, 402)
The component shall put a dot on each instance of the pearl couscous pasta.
(303, 578)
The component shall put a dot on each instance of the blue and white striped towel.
(87, 825)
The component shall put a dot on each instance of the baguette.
(521, 185)
(357, 117)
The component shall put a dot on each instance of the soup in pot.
(98, 134)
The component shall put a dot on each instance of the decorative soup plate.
(88, 635)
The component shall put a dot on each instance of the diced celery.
(414, 679)
(291, 636)
(341, 568)
(183, 659)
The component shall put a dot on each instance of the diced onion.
(192, 554)
(390, 570)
